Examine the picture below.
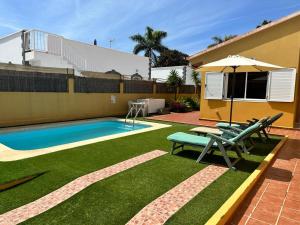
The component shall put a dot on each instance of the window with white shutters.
(282, 85)
(214, 85)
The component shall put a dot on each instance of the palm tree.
(174, 81)
(196, 79)
(218, 40)
(150, 43)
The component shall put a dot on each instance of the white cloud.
(9, 26)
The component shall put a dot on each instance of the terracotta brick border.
(276, 197)
(54, 198)
(162, 208)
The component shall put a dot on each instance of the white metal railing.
(38, 40)
(135, 108)
(41, 41)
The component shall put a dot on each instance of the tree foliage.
(174, 81)
(264, 22)
(150, 43)
(218, 40)
(196, 78)
(172, 57)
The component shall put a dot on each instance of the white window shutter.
(282, 85)
(214, 85)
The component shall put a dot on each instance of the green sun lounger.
(212, 142)
(266, 124)
(236, 130)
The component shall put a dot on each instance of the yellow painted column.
(71, 85)
(122, 87)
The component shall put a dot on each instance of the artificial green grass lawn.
(117, 199)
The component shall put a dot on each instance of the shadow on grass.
(242, 165)
(14, 183)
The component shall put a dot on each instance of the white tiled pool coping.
(8, 154)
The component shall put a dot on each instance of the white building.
(39, 48)
(161, 73)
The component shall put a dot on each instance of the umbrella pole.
(232, 94)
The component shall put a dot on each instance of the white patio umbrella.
(236, 63)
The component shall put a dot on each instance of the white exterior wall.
(11, 48)
(104, 59)
(162, 73)
(46, 60)
(65, 53)
(189, 79)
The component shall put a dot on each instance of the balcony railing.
(36, 40)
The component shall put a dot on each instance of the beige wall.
(19, 108)
(278, 45)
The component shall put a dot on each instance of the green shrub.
(184, 104)
(193, 102)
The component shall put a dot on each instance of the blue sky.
(190, 24)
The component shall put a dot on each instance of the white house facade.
(39, 48)
(161, 73)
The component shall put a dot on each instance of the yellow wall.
(19, 108)
(242, 111)
(278, 45)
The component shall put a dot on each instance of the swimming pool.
(39, 138)
(30, 141)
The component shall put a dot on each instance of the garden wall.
(77, 98)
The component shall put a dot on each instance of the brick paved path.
(188, 118)
(276, 199)
(52, 199)
(162, 208)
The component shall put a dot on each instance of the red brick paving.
(52, 199)
(276, 198)
(162, 208)
(188, 118)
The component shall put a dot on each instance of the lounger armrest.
(218, 138)
(226, 131)
(251, 122)
(235, 129)
(241, 124)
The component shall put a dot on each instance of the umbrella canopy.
(242, 64)
(234, 64)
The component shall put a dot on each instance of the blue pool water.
(62, 134)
